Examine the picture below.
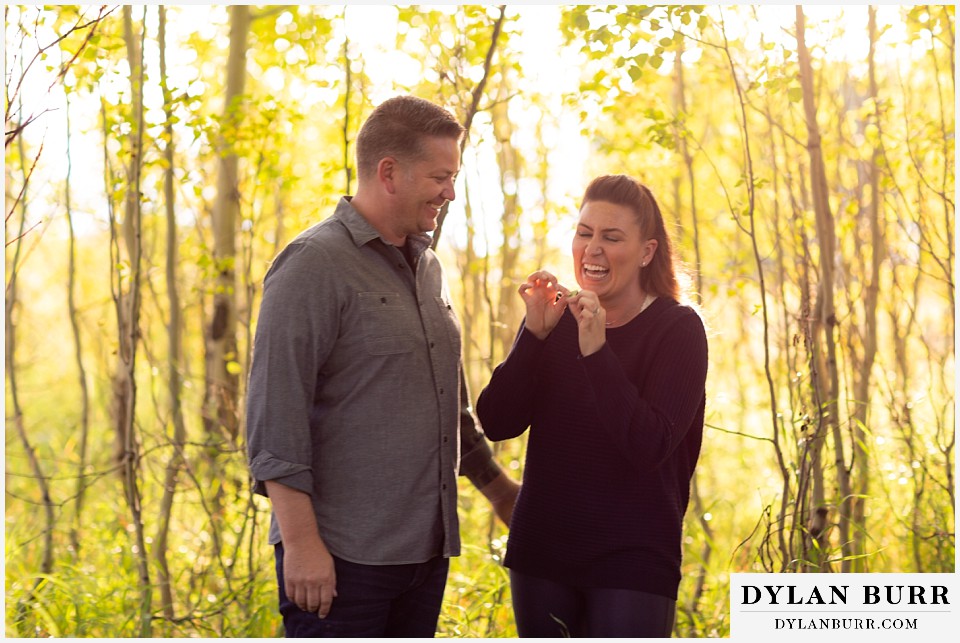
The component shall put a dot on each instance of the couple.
(359, 422)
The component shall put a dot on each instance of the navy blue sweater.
(614, 439)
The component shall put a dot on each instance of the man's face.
(425, 185)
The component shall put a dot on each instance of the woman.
(610, 381)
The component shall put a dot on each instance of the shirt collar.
(362, 232)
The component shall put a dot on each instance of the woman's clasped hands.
(546, 300)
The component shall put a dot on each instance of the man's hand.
(502, 493)
(309, 578)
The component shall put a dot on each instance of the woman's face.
(609, 251)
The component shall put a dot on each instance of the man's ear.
(387, 171)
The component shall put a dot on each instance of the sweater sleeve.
(505, 406)
(476, 457)
(649, 424)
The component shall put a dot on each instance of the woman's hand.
(591, 320)
(544, 310)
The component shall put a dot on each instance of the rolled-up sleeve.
(296, 323)
(266, 466)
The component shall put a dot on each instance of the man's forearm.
(309, 572)
(294, 512)
(502, 493)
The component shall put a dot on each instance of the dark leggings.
(546, 609)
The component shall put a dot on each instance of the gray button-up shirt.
(355, 393)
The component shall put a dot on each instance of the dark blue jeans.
(543, 608)
(372, 601)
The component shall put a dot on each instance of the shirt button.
(445, 439)
(441, 391)
(432, 344)
(444, 487)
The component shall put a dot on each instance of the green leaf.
(795, 94)
(656, 61)
(602, 35)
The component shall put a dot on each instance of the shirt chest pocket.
(383, 322)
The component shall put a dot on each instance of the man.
(356, 395)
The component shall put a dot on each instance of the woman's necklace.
(643, 306)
